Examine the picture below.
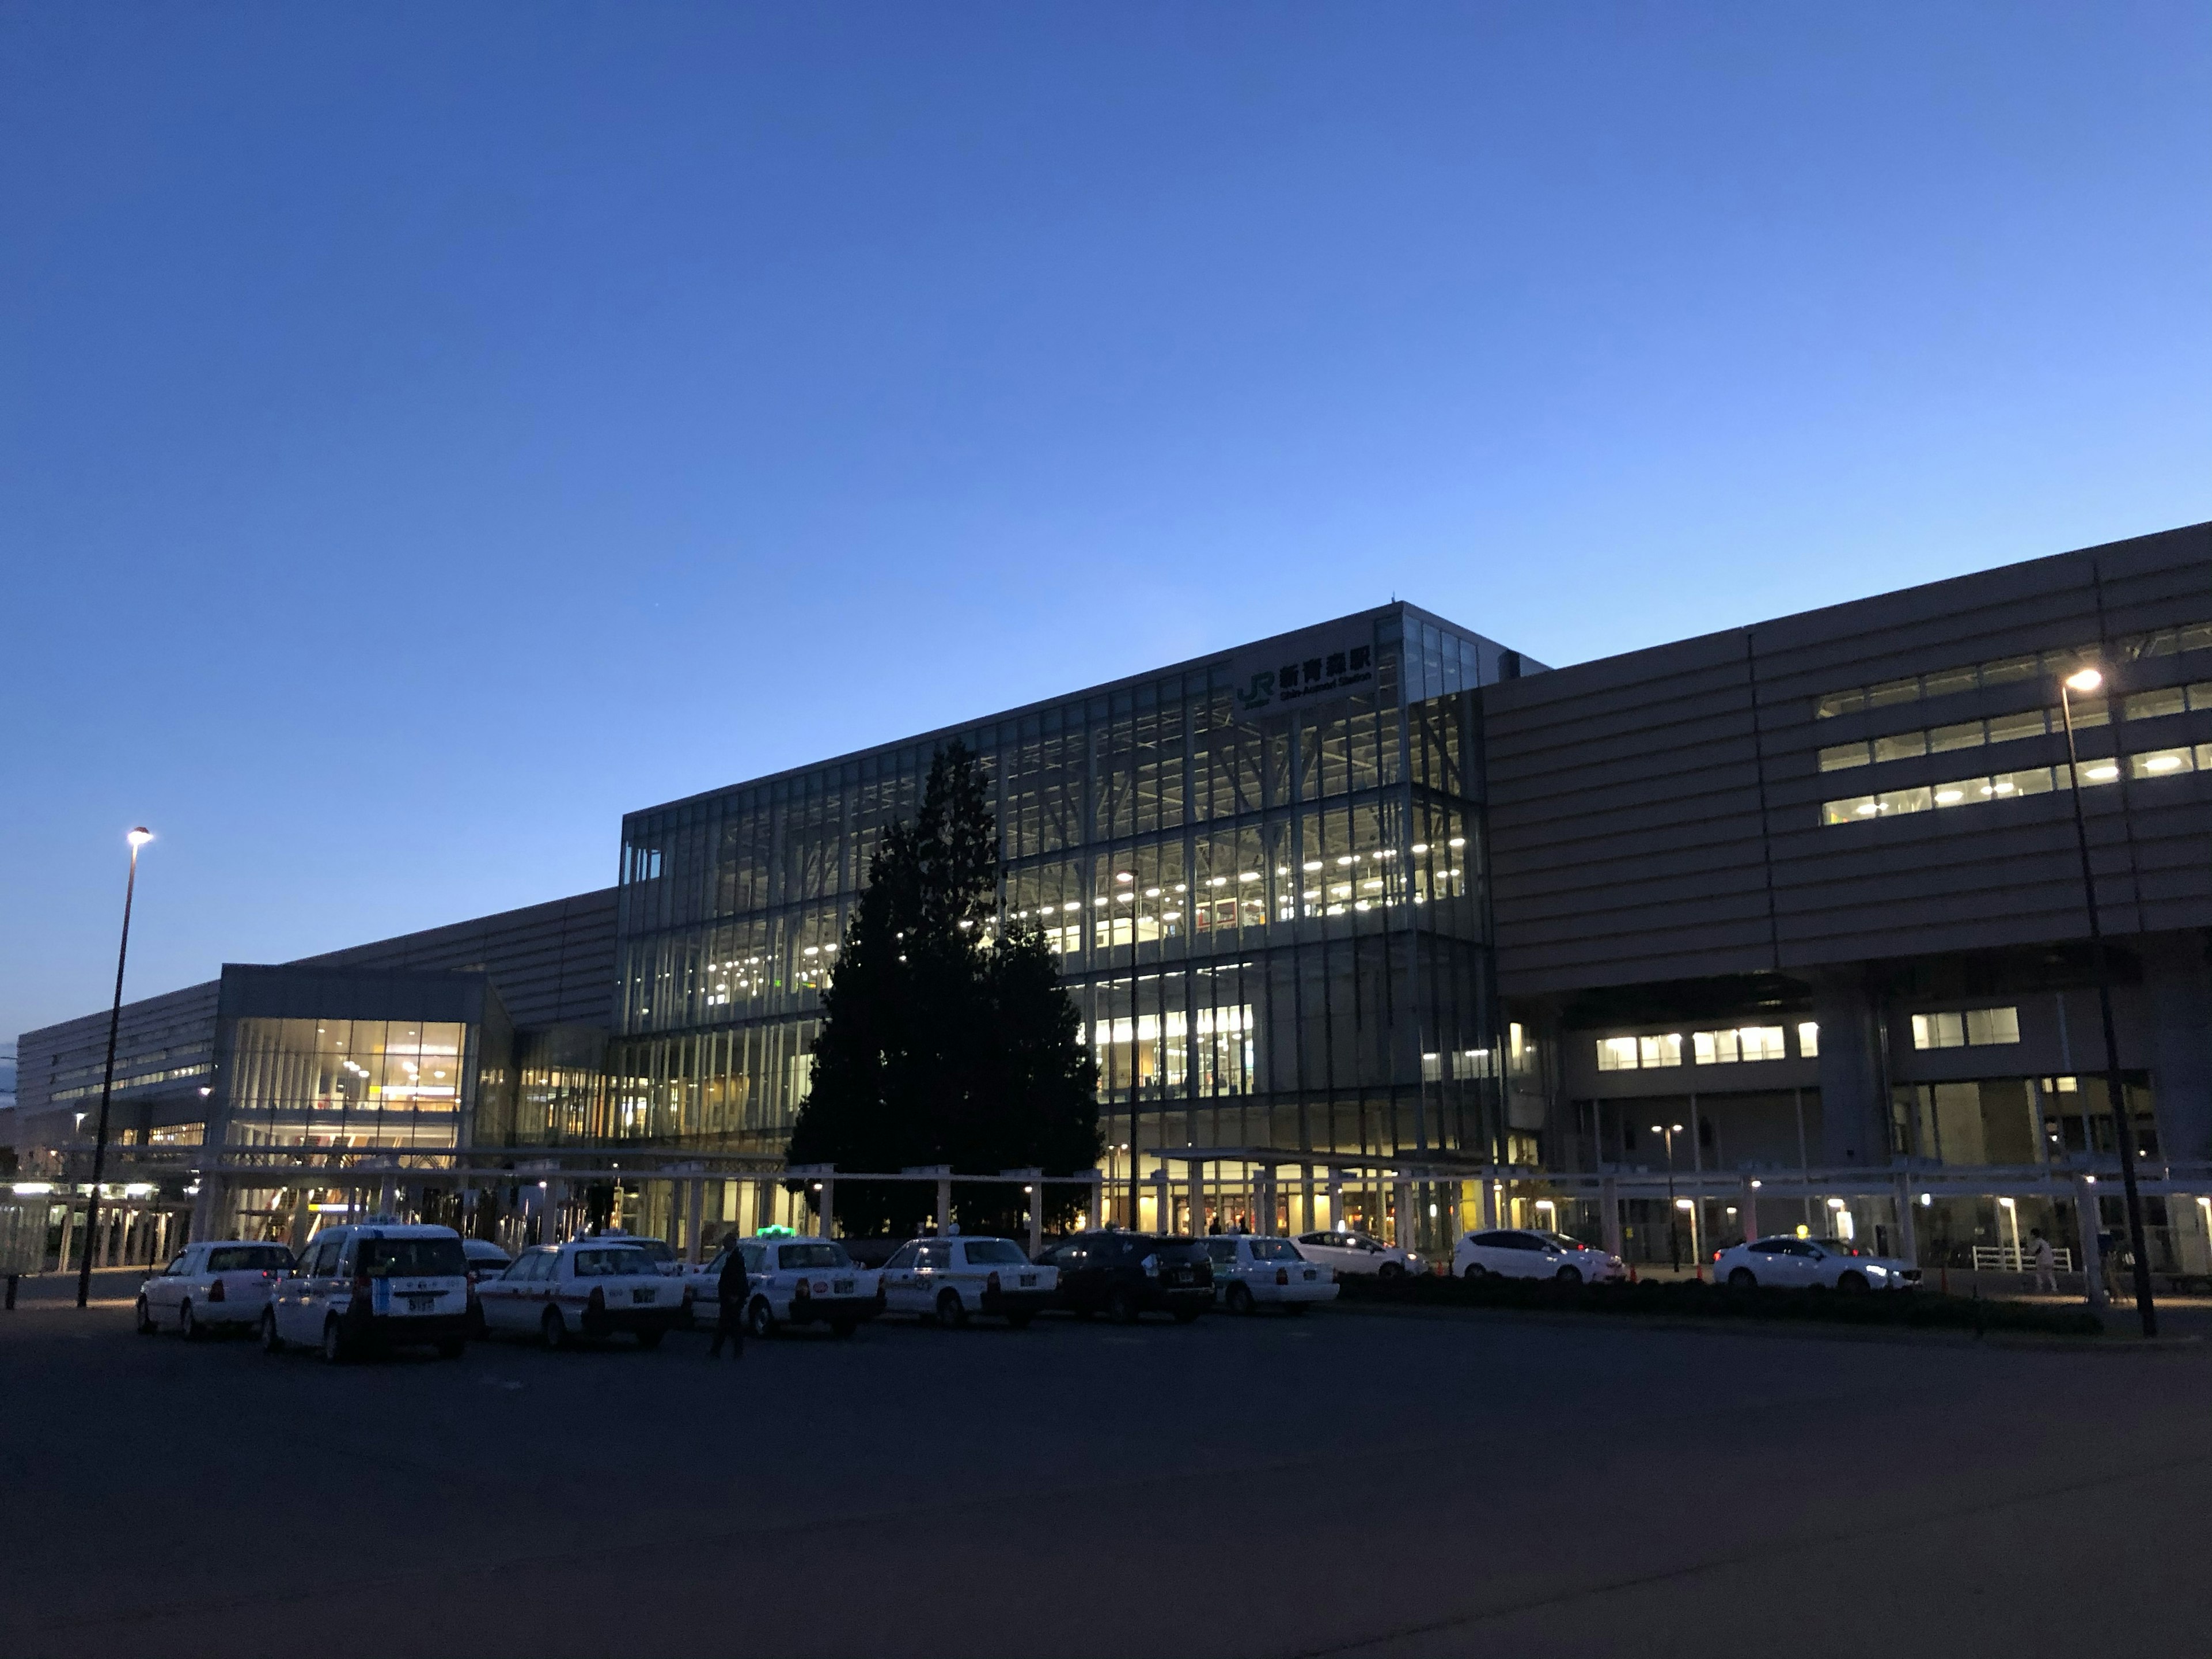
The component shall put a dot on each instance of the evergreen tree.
(946, 1036)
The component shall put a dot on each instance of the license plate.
(1028, 1280)
(843, 1286)
(422, 1304)
(641, 1296)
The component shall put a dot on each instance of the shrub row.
(1691, 1299)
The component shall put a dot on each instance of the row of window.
(2010, 785)
(1960, 1029)
(2006, 728)
(1725, 1047)
(2011, 670)
(1966, 1028)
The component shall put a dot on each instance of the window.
(1938, 1031)
(1900, 746)
(1969, 734)
(250, 1258)
(1714, 1048)
(1837, 757)
(2161, 764)
(994, 1253)
(812, 1256)
(1273, 1249)
(1222, 1250)
(2007, 670)
(1808, 1039)
(1959, 1028)
(412, 1258)
(1659, 1050)
(1616, 1054)
(1985, 1026)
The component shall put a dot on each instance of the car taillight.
(599, 1298)
(804, 1289)
(1282, 1275)
(361, 1284)
(992, 1282)
(216, 1291)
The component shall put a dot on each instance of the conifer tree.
(947, 1035)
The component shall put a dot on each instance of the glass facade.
(1263, 874)
(401, 1085)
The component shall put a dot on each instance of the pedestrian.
(732, 1290)
(2046, 1281)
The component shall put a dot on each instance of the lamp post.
(137, 838)
(1674, 1218)
(2086, 679)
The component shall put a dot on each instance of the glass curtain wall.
(1268, 919)
(400, 1084)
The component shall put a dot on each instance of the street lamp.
(2086, 679)
(137, 838)
(1673, 1204)
(1696, 1258)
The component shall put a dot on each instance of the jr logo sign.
(1303, 676)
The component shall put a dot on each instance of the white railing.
(2012, 1258)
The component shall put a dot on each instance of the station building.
(1380, 923)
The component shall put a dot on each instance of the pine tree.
(947, 1035)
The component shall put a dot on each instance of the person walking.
(732, 1290)
(2046, 1281)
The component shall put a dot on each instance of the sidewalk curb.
(1800, 1329)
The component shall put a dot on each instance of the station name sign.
(1299, 669)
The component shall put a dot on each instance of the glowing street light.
(2089, 677)
(137, 838)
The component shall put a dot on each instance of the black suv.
(1126, 1275)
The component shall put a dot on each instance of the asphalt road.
(1345, 1484)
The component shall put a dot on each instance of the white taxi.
(590, 1288)
(370, 1287)
(1250, 1270)
(1525, 1252)
(795, 1280)
(1350, 1251)
(205, 1286)
(949, 1279)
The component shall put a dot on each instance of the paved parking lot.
(1349, 1483)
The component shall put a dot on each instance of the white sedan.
(794, 1281)
(1788, 1263)
(1350, 1252)
(225, 1282)
(1524, 1252)
(949, 1279)
(1249, 1271)
(588, 1287)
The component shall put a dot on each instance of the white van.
(365, 1289)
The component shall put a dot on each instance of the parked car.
(224, 1282)
(588, 1288)
(369, 1288)
(1802, 1263)
(1525, 1252)
(1351, 1252)
(794, 1281)
(1127, 1275)
(947, 1279)
(1250, 1272)
(485, 1259)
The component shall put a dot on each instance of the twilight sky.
(426, 432)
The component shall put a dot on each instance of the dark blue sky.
(426, 432)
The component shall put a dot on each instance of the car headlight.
(1873, 1271)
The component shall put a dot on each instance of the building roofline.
(1204, 659)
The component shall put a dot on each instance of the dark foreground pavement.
(1343, 1484)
